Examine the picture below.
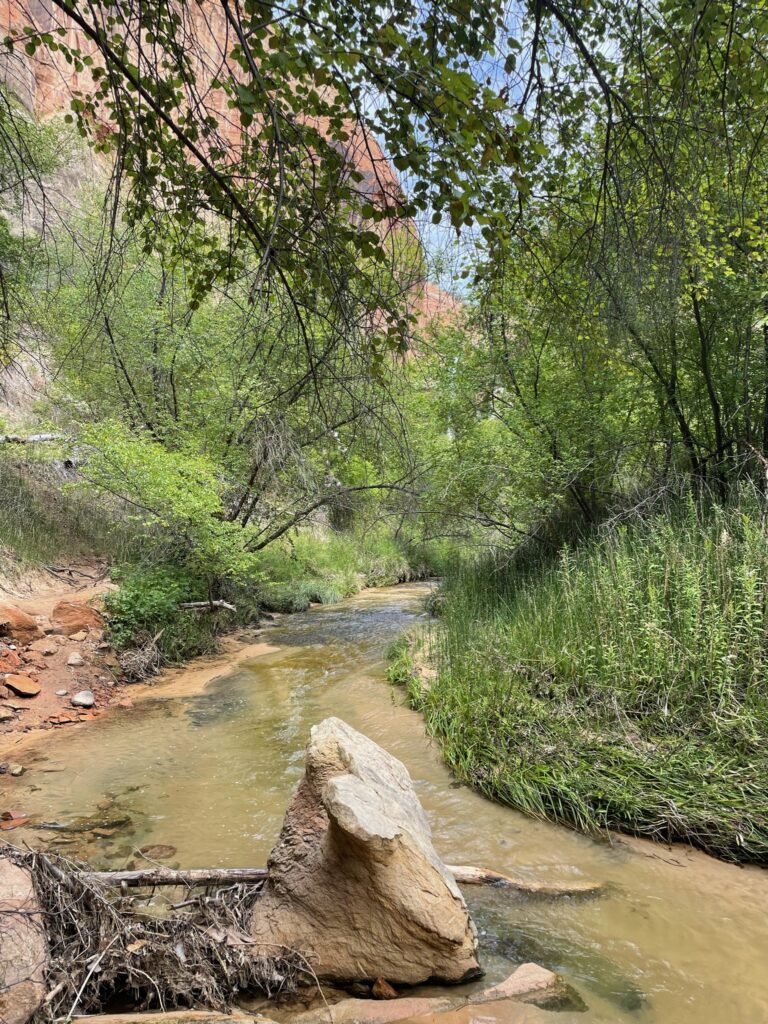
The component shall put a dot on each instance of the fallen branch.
(464, 875)
(32, 438)
(167, 876)
(208, 605)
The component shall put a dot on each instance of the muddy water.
(678, 938)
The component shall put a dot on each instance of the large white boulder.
(354, 881)
(23, 946)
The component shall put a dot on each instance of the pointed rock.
(354, 881)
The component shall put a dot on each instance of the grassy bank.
(622, 686)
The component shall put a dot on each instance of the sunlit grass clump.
(621, 685)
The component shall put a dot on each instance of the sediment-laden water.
(677, 939)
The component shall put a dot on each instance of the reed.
(621, 685)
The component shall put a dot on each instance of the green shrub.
(146, 606)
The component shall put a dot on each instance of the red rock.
(23, 685)
(17, 625)
(46, 647)
(10, 823)
(383, 990)
(34, 658)
(127, 703)
(9, 660)
(73, 616)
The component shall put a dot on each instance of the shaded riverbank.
(207, 766)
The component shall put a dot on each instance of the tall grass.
(41, 522)
(622, 685)
(329, 566)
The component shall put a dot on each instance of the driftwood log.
(207, 606)
(464, 875)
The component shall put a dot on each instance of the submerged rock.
(354, 881)
(510, 1001)
(532, 983)
(23, 948)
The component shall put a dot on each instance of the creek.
(677, 937)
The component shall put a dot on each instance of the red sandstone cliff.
(45, 83)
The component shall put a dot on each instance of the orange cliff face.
(45, 82)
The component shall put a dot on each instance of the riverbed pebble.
(83, 699)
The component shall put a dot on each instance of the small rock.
(7, 824)
(15, 770)
(127, 704)
(367, 1011)
(383, 990)
(531, 983)
(62, 693)
(47, 646)
(83, 699)
(9, 660)
(79, 636)
(34, 658)
(6, 715)
(22, 685)
(359, 990)
(75, 660)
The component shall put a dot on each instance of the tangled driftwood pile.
(101, 947)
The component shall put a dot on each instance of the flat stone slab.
(22, 685)
(177, 1017)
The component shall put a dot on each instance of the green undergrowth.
(620, 686)
(324, 568)
(308, 568)
(401, 670)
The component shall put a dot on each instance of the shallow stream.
(678, 938)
